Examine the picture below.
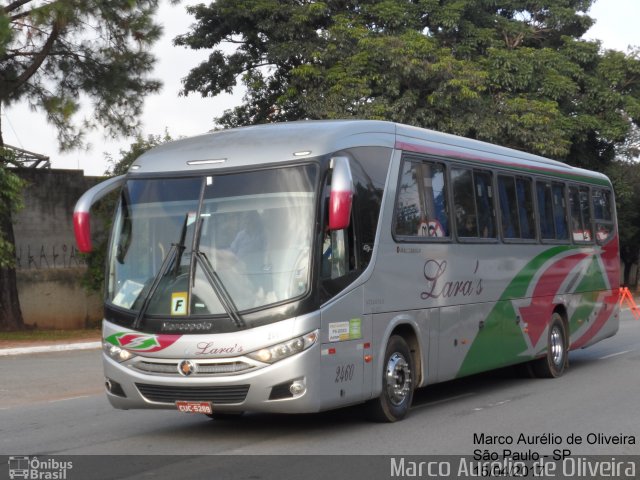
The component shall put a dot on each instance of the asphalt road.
(52, 404)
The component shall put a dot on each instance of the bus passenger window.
(421, 205)
(463, 199)
(484, 204)
(552, 211)
(508, 206)
(602, 214)
(580, 214)
(559, 211)
(585, 207)
(525, 208)
(473, 200)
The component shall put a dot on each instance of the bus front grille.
(216, 395)
(203, 368)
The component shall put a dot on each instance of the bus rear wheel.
(553, 364)
(397, 383)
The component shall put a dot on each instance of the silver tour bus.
(305, 266)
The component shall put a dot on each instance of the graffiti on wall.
(48, 256)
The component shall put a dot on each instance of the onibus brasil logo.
(22, 466)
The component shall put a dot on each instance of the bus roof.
(283, 142)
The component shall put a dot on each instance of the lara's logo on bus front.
(211, 348)
(439, 287)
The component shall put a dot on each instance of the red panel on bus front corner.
(82, 230)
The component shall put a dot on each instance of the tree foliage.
(57, 54)
(511, 72)
(62, 51)
(10, 201)
(137, 148)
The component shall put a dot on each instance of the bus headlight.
(116, 353)
(282, 350)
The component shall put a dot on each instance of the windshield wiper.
(175, 252)
(221, 291)
(175, 255)
(180, 246)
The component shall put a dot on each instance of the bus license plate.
(194, 407)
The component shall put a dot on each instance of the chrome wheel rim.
(398, 379)
(557, 347)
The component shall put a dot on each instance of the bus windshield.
(212, 244)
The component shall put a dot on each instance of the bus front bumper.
(265, 389)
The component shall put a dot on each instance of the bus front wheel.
(397, 383)
(553, 364)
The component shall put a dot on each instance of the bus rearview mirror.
(81, 216)
(341, 195)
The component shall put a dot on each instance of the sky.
(616, 26)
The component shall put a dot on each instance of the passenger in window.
(250, 239)
(469, 228)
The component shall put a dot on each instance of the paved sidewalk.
(22, 347)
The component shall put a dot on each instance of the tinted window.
(526, 213)
(508, 206)
(421, 205)
(603, 214)
(580, 214)
(552, 210)
(473, 203)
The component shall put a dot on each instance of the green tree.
(5, 32)
(137, 148)
(54, 54)
(512, 72)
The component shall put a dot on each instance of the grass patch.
(49, 335)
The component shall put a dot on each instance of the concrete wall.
(49, 266)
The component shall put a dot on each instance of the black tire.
(554, 363)
(397, 383)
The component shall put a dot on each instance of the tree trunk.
(10, 312)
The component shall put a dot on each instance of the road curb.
(4, 352)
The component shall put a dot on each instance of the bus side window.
(545, 211)
(464, 204)
(559, 211)
(421, 204)
(585, 207)
(525, 208)
(580, 214)
(484, 204)
(602, 214)
(473, 203)
(408, 205)
(338, 252)
(508, 206)
(516, 207)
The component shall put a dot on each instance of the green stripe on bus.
(501, 337)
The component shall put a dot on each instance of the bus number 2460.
(344, 373)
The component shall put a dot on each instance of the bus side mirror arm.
(81, 217)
